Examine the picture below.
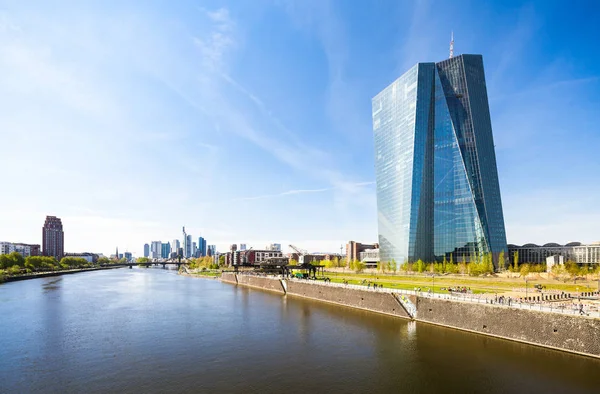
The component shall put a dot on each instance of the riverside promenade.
(564, 303)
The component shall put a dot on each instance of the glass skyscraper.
(437, 182)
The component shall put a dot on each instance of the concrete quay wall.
(578, 334)
(229, 277)
(261, 282)
(361, 299)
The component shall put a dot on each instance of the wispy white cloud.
(346, 187)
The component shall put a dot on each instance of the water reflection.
(150, 330)
(52, 283)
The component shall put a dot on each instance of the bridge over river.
(163, 262)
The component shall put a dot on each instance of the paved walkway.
(570, 307)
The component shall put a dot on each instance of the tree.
(105, 260)
(524, 270)
(393, 266)
(573, 269)
(420, 266)
(73, 262)
(142, 260)
(489, 263)
(501, 262)
(359, 266)
(516, 261)
(292, 261)
(462, 268)
(10, 260)
(222, 260)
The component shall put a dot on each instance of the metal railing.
(542, 306)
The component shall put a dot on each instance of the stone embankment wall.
(229, 277)
(261, 282)
(577, 334)
(362, 299)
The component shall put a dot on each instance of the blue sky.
(249, 121)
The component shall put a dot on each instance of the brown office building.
(354, 248)
(53, 238)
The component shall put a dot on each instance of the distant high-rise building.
(165, 250)
(189, 246)
(242, 246)
(156, 249)
(202, 246)
(146, 250)
(275, 247)
(53, 237)
(175, 245)
(437, 182)
(128, 256)
(211, 250)
(186, 247)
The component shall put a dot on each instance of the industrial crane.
(301, 254)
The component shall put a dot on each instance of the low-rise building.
(587, 254)
(370, 257)
(353, 250)
(573, 251)
(24, 250)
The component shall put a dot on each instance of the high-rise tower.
(437, 182)
(53, 238)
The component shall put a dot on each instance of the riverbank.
(552, 329)
(54, 273)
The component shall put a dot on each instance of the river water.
(151, 330)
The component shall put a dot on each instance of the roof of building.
(548, 245)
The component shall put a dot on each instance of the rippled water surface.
(151, 330)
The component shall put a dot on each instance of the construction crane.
(301, 254)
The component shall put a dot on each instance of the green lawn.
(476, 284)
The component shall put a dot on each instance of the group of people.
(369, 284)
(459, 289)
(501, 300)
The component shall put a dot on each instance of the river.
(151, 330)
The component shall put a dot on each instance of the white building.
(275, 247)
(370, 257)
(587, 254)
(175, 245)
(24, 250)
(155, 249)
(551, 261)
(6, 248)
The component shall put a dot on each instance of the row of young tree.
(15, 264)
(207, 263)
(479, 266)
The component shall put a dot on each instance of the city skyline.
(201, 95)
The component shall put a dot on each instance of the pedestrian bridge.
(163, 262)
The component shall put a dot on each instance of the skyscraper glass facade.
(437, 183)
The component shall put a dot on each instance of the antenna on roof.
(452, 45)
